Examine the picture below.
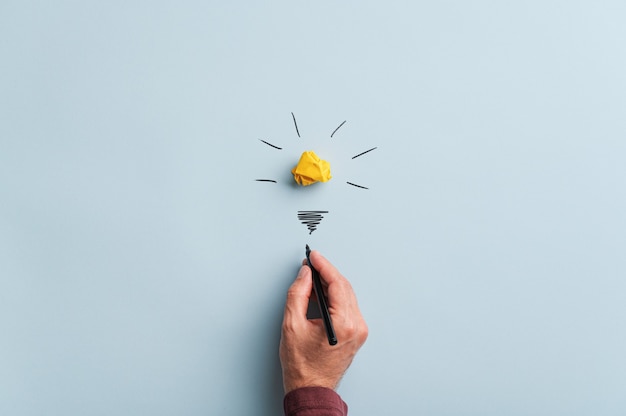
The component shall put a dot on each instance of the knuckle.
(363, 332)
(292, 293)
(347, 286)
(289, 328)
(350, 329)
(290, 325)
(356, 330)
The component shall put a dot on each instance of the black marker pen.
(321, 301)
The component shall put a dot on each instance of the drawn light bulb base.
(311, 219)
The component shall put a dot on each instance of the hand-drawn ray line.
(361, 154)
(296, 124)
(270, 144)
(358, 186)
(266, 180)
(338, 127)
(311, 219)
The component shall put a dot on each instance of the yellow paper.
(311, 169)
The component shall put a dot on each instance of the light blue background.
(143, 270)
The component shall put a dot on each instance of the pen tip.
(307, 247)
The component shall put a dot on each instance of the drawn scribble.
(338, 127)
(266, 180)
(367, 151)
(311, 219)
(270, 144)
(295, 124)
(358, 186)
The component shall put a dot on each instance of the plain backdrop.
(143, 270)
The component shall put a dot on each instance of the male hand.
(306, 357)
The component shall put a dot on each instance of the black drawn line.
(358, 186)
(311, 219)
(296, 124)
(361, 154)
(335, 131)
(270, 144)
(266, 180)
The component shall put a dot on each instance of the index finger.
(328, 272)
(340, 294)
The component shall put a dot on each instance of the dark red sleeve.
(314, 401)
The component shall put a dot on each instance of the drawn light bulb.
(311, 169)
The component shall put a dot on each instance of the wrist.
(290, 384)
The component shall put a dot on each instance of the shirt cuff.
(314, 401)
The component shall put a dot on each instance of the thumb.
(299, 294)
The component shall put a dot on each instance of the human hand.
(306, 357)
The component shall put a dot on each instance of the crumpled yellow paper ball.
(311, 169)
